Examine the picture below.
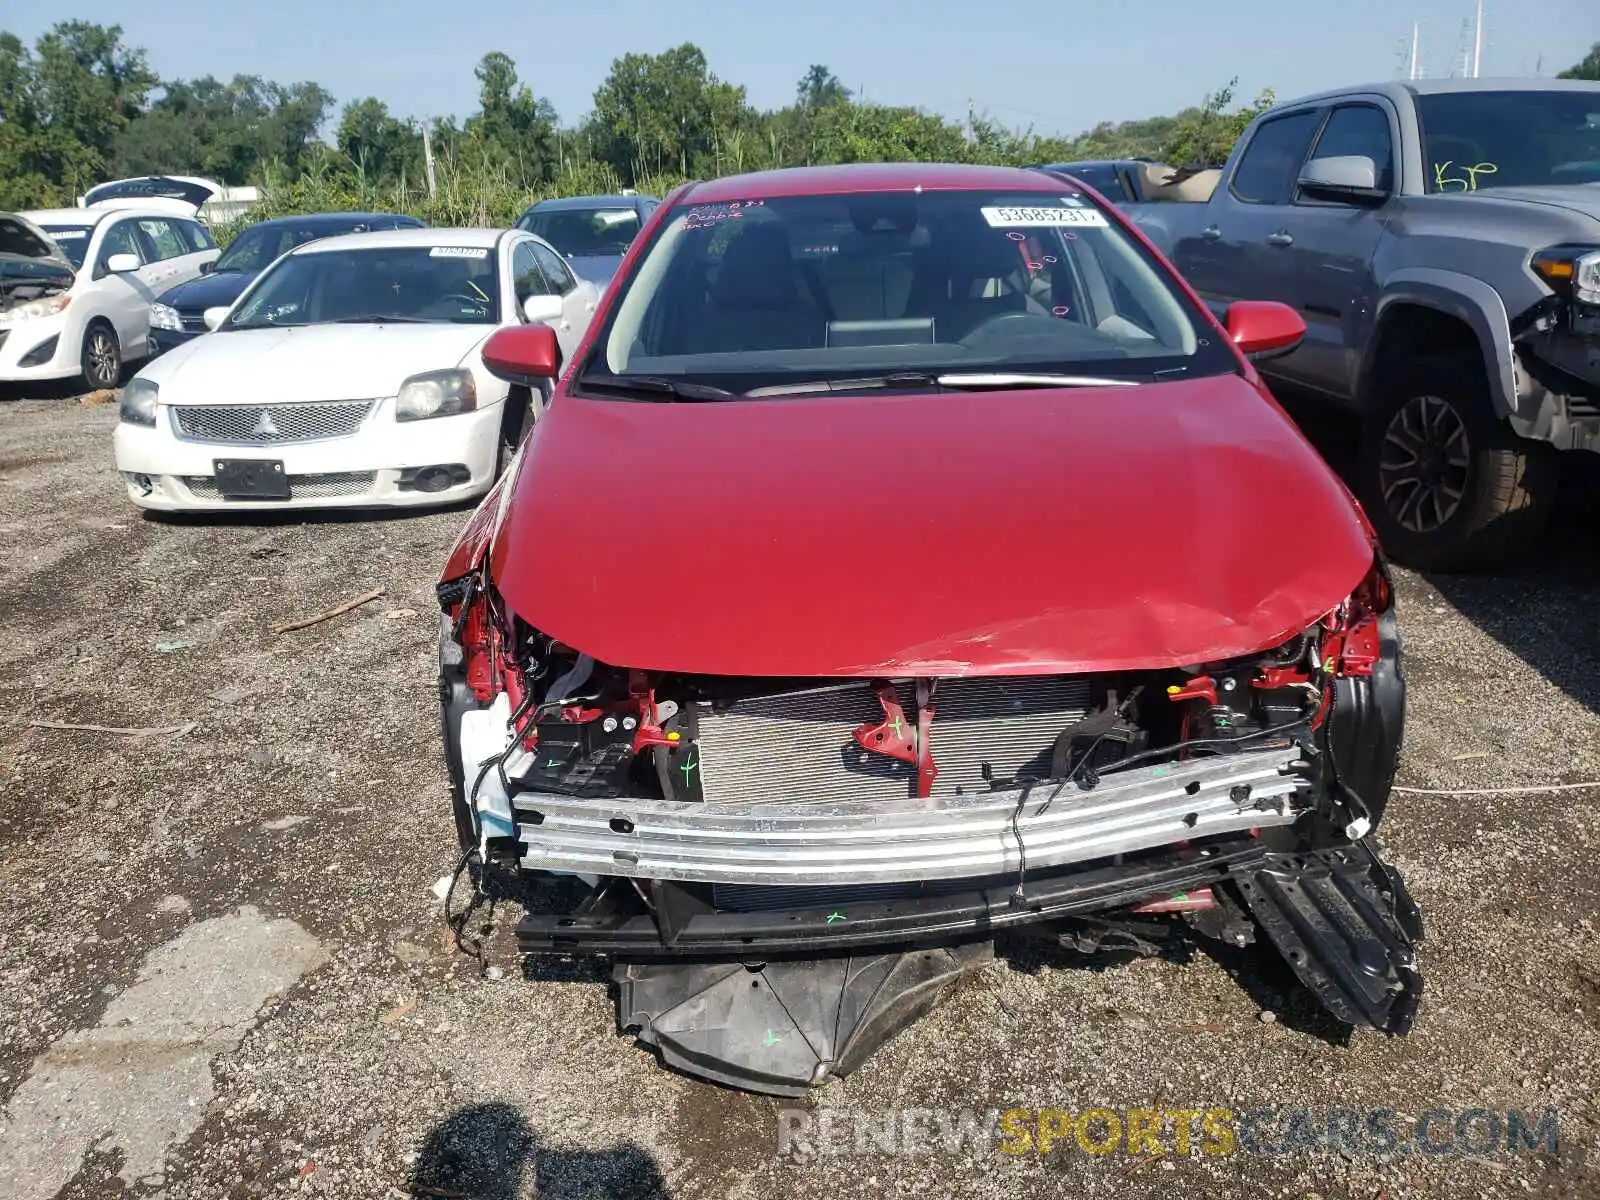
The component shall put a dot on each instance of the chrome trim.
(943, 837)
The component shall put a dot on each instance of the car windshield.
(758, 294)
(257, 247)
(456, 284)
(584, 232)
(1477, 140)
(72, 239)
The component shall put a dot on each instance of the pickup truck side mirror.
(1264, 329)
(1350, 178)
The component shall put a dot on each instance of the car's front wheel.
(1447, 484)
(102, 357)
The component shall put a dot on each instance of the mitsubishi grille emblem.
(264, 427)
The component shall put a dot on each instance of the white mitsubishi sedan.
(350, 375)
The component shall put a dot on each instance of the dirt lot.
(225, 974)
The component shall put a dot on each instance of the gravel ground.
(226, 975)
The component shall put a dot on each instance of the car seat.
(756, 299)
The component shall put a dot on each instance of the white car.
(350, 374)
(98, 317)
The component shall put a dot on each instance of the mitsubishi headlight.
(138, 405)
(164, 316)
(34, 309)
(436, 394)
(1571, 271)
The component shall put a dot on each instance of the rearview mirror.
(1264, 329)
(214, 316)
(523, 354)
(122, 264)
(542, 308)
(1348, 177)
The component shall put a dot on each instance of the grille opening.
(341, 485)
(269, 424)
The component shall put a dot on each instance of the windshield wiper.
(961, 381)
(1025, 379)
(654, 385)
(861, 383)
(380, 319)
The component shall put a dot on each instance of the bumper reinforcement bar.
(939, 838)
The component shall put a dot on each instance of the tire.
(1447, 485)
(101, 359)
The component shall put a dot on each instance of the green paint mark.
(834, 916)
(1180, 897)
(688, 767)
(772, 1039)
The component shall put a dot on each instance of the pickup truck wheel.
(1448, 486)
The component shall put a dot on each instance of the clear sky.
(1059, 67)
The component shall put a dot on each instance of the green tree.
(820, 87)
(62, 108)
(1589, 68)
(514, 130)
(1205, 136)
(666, 112)
(382, 148)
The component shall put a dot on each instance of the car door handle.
(1211, 233)
(1281, 238)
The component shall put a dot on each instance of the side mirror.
(123, 264)
(1352, 178)
(207, 267)
(214, 316)
(523, 354)
(542, 308)
(1264, 329)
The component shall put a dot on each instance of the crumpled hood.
(208, 291)
(314, 362)
(964, 533)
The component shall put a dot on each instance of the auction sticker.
(1013, 218)
(458, 252)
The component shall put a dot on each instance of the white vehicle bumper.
(27, 341)
(374, 467)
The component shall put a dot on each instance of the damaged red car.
(906, 559)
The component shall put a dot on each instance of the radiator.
(798, 746)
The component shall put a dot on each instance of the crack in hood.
(945, 534)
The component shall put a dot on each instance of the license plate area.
(251, 478)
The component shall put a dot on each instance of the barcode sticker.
(1014, 218)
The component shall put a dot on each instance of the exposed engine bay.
(31, 268)
(711, 823)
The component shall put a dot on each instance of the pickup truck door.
(1327, 261)
(1235, 254)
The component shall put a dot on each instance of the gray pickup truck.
(1441, 238)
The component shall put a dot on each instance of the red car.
(908, 557)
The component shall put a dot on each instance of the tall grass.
(467, 194)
